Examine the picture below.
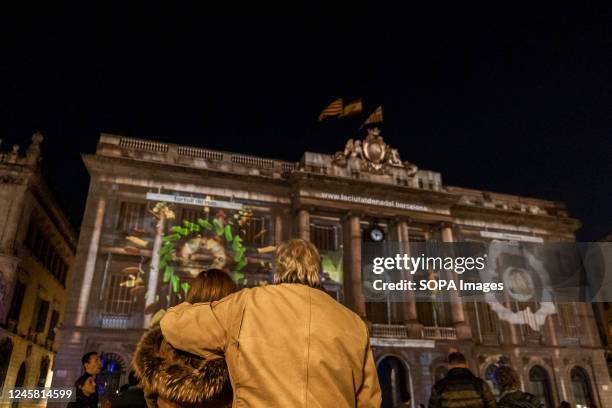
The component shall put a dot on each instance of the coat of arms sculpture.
(374, 155)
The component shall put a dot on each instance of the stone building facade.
(603, 315)
(37, 247)
(335, 201)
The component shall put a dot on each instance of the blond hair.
(297, 261)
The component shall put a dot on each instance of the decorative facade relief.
(374, 154)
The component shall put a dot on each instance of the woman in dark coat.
(173, 378)
(85, 387)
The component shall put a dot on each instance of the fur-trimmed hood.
(180, 377)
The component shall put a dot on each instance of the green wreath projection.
(205, 243)
(194, 233)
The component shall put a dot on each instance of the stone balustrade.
(389, 330)
(109, 321)
(147, 150)
(398, 331)
(439, 333)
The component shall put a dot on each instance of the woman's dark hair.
(80, 382)
(213, 284)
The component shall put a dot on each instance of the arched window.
(21, 374)
(6, 350)
(581, 386)
(44, 370)
(394, 382)
(540, 385)
(109, 379)
(20, 381)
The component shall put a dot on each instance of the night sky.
(512, 101)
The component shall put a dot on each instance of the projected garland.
(205, 240)
(183, 250)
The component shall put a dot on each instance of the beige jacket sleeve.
(200, 328)
(369, 394)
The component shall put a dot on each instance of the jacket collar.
(459, 371)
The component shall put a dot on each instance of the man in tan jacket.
(286, 345)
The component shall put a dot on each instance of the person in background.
(286, 345)
(85, 389)
(131, 395)
(461, 388)
(511, 396)
(173, 378)
(92, 365)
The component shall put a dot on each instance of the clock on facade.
(377, 235)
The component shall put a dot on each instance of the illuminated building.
(37, 247)
(603, 315)
(337, 201)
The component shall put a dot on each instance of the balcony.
(390, 331)
(108, 321)
(396, 335)
(439, 333)
(398, 331)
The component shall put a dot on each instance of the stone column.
(409, 308)
(278, 229)
(394, 236)
(511, 328)
(398, 232)
(458, 314)
(551, 332)
(589, 335)
(303, 224)
(353, 291)
(154, 270)
(72, 340)
(85, 285)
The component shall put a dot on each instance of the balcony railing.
(398, 331)
(143, 145)
(114, 321)
(389, 330)
(158, 151)
(200, 153)
(439, 333)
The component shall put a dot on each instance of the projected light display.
(176, 242)
(527, 283)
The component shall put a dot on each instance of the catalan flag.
(375, 117)
(353, 108)
(333, 109)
